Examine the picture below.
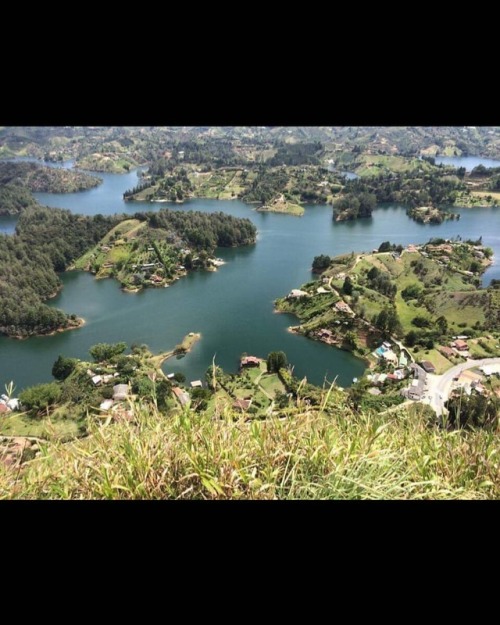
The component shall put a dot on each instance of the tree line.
(47, 240)
(204, 231)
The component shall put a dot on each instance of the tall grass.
(327, 453)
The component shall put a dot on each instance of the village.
(428, 290)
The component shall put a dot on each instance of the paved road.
(439, 385)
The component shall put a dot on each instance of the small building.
(321, 290)
(295, 293)
(427, 366)
(417, 371)
(196, 384)
(106, 404)
(181, 395)
(120, 392)
(13, 404)
(374, 391)
(170, 376)
(96, 380)
(250, 361)
(403, 360)
(342, 307)
(4, 409)
(461, 345)
(416, 389)
(242, 404)
(446, 351)
(390, 356)
(325, 334)
(387, 344)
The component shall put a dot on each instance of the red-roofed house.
(250, 361)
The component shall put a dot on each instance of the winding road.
(439, 385)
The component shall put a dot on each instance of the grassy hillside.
(423, 284)
(313, 454)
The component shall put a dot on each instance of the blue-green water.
(233, 307)
(469, 162)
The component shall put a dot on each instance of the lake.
(469, 162)
(233, 307)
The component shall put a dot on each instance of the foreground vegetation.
(311, 453)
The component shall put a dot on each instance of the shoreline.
(186, 345)
(80, 322)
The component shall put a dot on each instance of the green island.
(155, 249)
(145, 251)
(430, 215)
(19, 179)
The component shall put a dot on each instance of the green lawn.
(271, 384)
(55, 427)
(441, 363)
(477, 349)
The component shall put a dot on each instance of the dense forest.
(429, 189)
(36, 177)
(14, 199)
(202, 230)
(46, 241)
(296, 154)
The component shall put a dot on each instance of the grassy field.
(332, 453)
(381, 164)
(484, 347)
(441, 363)
(57, 427)
(289, 208)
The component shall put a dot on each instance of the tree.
(276, 361)
(320, 263)
(188, 261)
(373, 273)
(473, 411)
(350, 339)
(179, 377)
(385, 246)
(105, 351)
(442, 324)
(387, 321)
(41, 396)
(412, 291)
(63, 367)
(347, 286)
(411, 338)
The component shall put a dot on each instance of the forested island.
(148, 250)
(155, 249)
(19, 179)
